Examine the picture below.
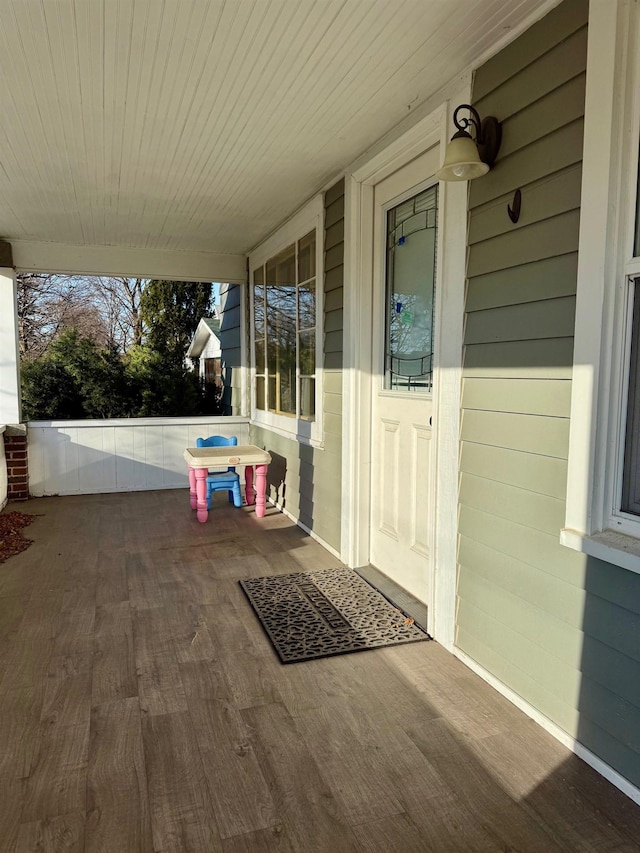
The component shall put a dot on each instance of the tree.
(160, 388)
(48, 392)
(171, 311)
(119, 301)
(105, 310)
(49, 304)
(109, 347)
(75, 379)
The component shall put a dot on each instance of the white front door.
(404, 305)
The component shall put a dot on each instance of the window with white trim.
(603, 489)
(286, 308)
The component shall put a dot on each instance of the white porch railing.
(118, 455)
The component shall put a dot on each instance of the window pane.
(258, 308)
(308, 398)
(260, 359)
(287, 388)
(271, 393)
(282, 268)
(410, 292)
(631, 476)
(260, 389)
(307, 257)
(307, 306)
(281, 336)
(272, 361)
(307, 352)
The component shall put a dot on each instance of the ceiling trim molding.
(126, 261)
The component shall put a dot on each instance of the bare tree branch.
(103, 309)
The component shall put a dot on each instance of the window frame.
(595, 523)
(425, 394)
(309, 218)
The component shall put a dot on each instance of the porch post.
(9, 347)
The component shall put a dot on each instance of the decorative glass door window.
(284, 326)
(410, 293)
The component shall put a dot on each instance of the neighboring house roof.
(206, 336)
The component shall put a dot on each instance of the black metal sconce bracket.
(488, 132)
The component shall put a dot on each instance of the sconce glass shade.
(462, 161)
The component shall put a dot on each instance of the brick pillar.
(15, 449)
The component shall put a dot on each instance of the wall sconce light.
(466, 158)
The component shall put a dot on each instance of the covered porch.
(143, 708)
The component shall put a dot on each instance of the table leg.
(249, 491)
(261, 489)
(201, 494)
(192, 488)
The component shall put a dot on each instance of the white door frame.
(358, 359)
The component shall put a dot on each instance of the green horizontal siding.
(615, 585)
(560, 107)
(567, 19)
(521, 396)
(334, 321)
(333, 279)
(533, 627)
(524, 543)
(618, 755)
(512, 667)
(524, 321)
(558, 150)
(511, 502)
(551, 594)
(333, 343)
(555, 236)
(538, 474)
(333, 404)
(558, 628)
(561, 63)
(543, 279)
(550, 358)
(545, 199)
(528, 433)
(334, 235)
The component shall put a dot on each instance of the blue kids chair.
(227, 480)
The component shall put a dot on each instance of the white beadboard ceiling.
(198, 126)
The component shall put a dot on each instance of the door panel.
(389, 509)
(405, 302)
(420, 504)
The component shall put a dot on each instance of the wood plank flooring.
(142, 708)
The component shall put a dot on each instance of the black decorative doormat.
(311, 615)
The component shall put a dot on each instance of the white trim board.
(552, 728)
(598, 399)
(127, 260)
(10, 392)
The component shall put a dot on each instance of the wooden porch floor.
(142, 708)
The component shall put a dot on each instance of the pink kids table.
(200, 459)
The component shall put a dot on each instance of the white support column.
(9, 349)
